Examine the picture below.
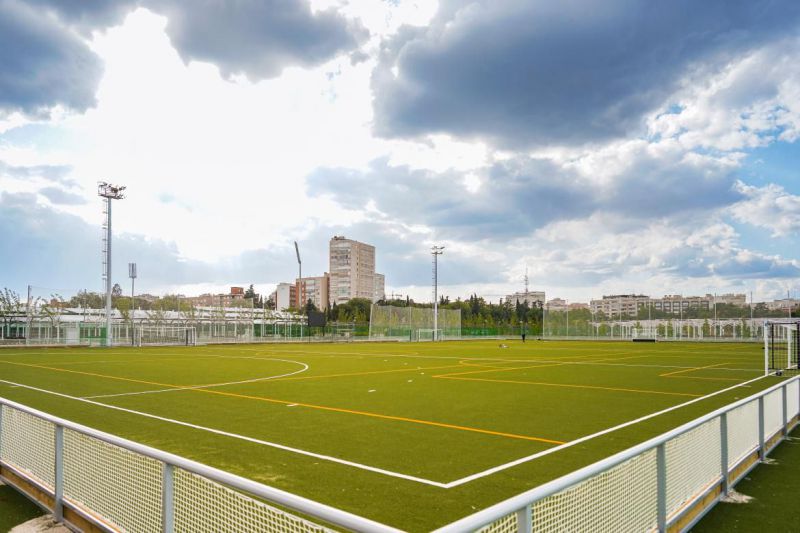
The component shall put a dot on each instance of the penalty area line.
(240, 437)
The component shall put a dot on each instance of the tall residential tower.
(352, 271)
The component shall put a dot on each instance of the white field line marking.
(561, 361)
(240, 437)
(418, 356)
(560, 447)
(192, 387)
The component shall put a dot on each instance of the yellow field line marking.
(534, 366)
(704, 378)
(498, 369)
(668, 374)
(310, 406)
(545, 384)
(368, 373)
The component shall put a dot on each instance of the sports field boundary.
(566, 500)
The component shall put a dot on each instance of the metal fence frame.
(58, 502)
(520, 508)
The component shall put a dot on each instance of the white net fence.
(620, 499)
(742, 432)
(413, 323)
(124, 490)
(693, 464)
(232, 512)
(122, 487)
(28, 443)
(773, 413)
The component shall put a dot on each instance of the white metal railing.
(655, 485)
(120, 485)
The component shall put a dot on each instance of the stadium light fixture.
(436, 251)
(109, 192)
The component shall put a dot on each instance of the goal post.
(781, 346)
(413, 323)
(165, 335)
(428, 334)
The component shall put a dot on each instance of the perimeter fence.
(92, 479)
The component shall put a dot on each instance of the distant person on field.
(523, 332)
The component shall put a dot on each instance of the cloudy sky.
(645, 146)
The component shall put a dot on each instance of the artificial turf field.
(414, 435)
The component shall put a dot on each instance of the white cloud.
(770, 207)
(753, 101)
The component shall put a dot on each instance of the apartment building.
(557, 304)
(314, 288)
(673, 303)
(352, 270)
(380, 288)
(284, 296)
(532, 298)
(783, 305)
(629, 304)
(619, 304)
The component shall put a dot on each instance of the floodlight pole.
(109, 192)
(436, 251)
(299, 285)
(132, 275)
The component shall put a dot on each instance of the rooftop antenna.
(109, 192)
(526, 279)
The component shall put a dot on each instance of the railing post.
(58, 503)
(525, 519)
(661, 476)
(167, 499)
(1, 431)
(762, 452)
(785, 406)
(723, 435)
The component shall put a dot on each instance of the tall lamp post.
(132, 275)
(299, 284)
(436, 251)
(109, 192)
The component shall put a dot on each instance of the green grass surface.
(15, 508)
(436, 412)
(775, 489)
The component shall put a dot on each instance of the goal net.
(413, 323)
(164, 335)
(427, 334)
(781, 345)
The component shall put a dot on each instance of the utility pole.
(109, 192)
(436, 251)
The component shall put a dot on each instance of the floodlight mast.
(436, 251)
(109, 192)
(299, 285)
(132, 275)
